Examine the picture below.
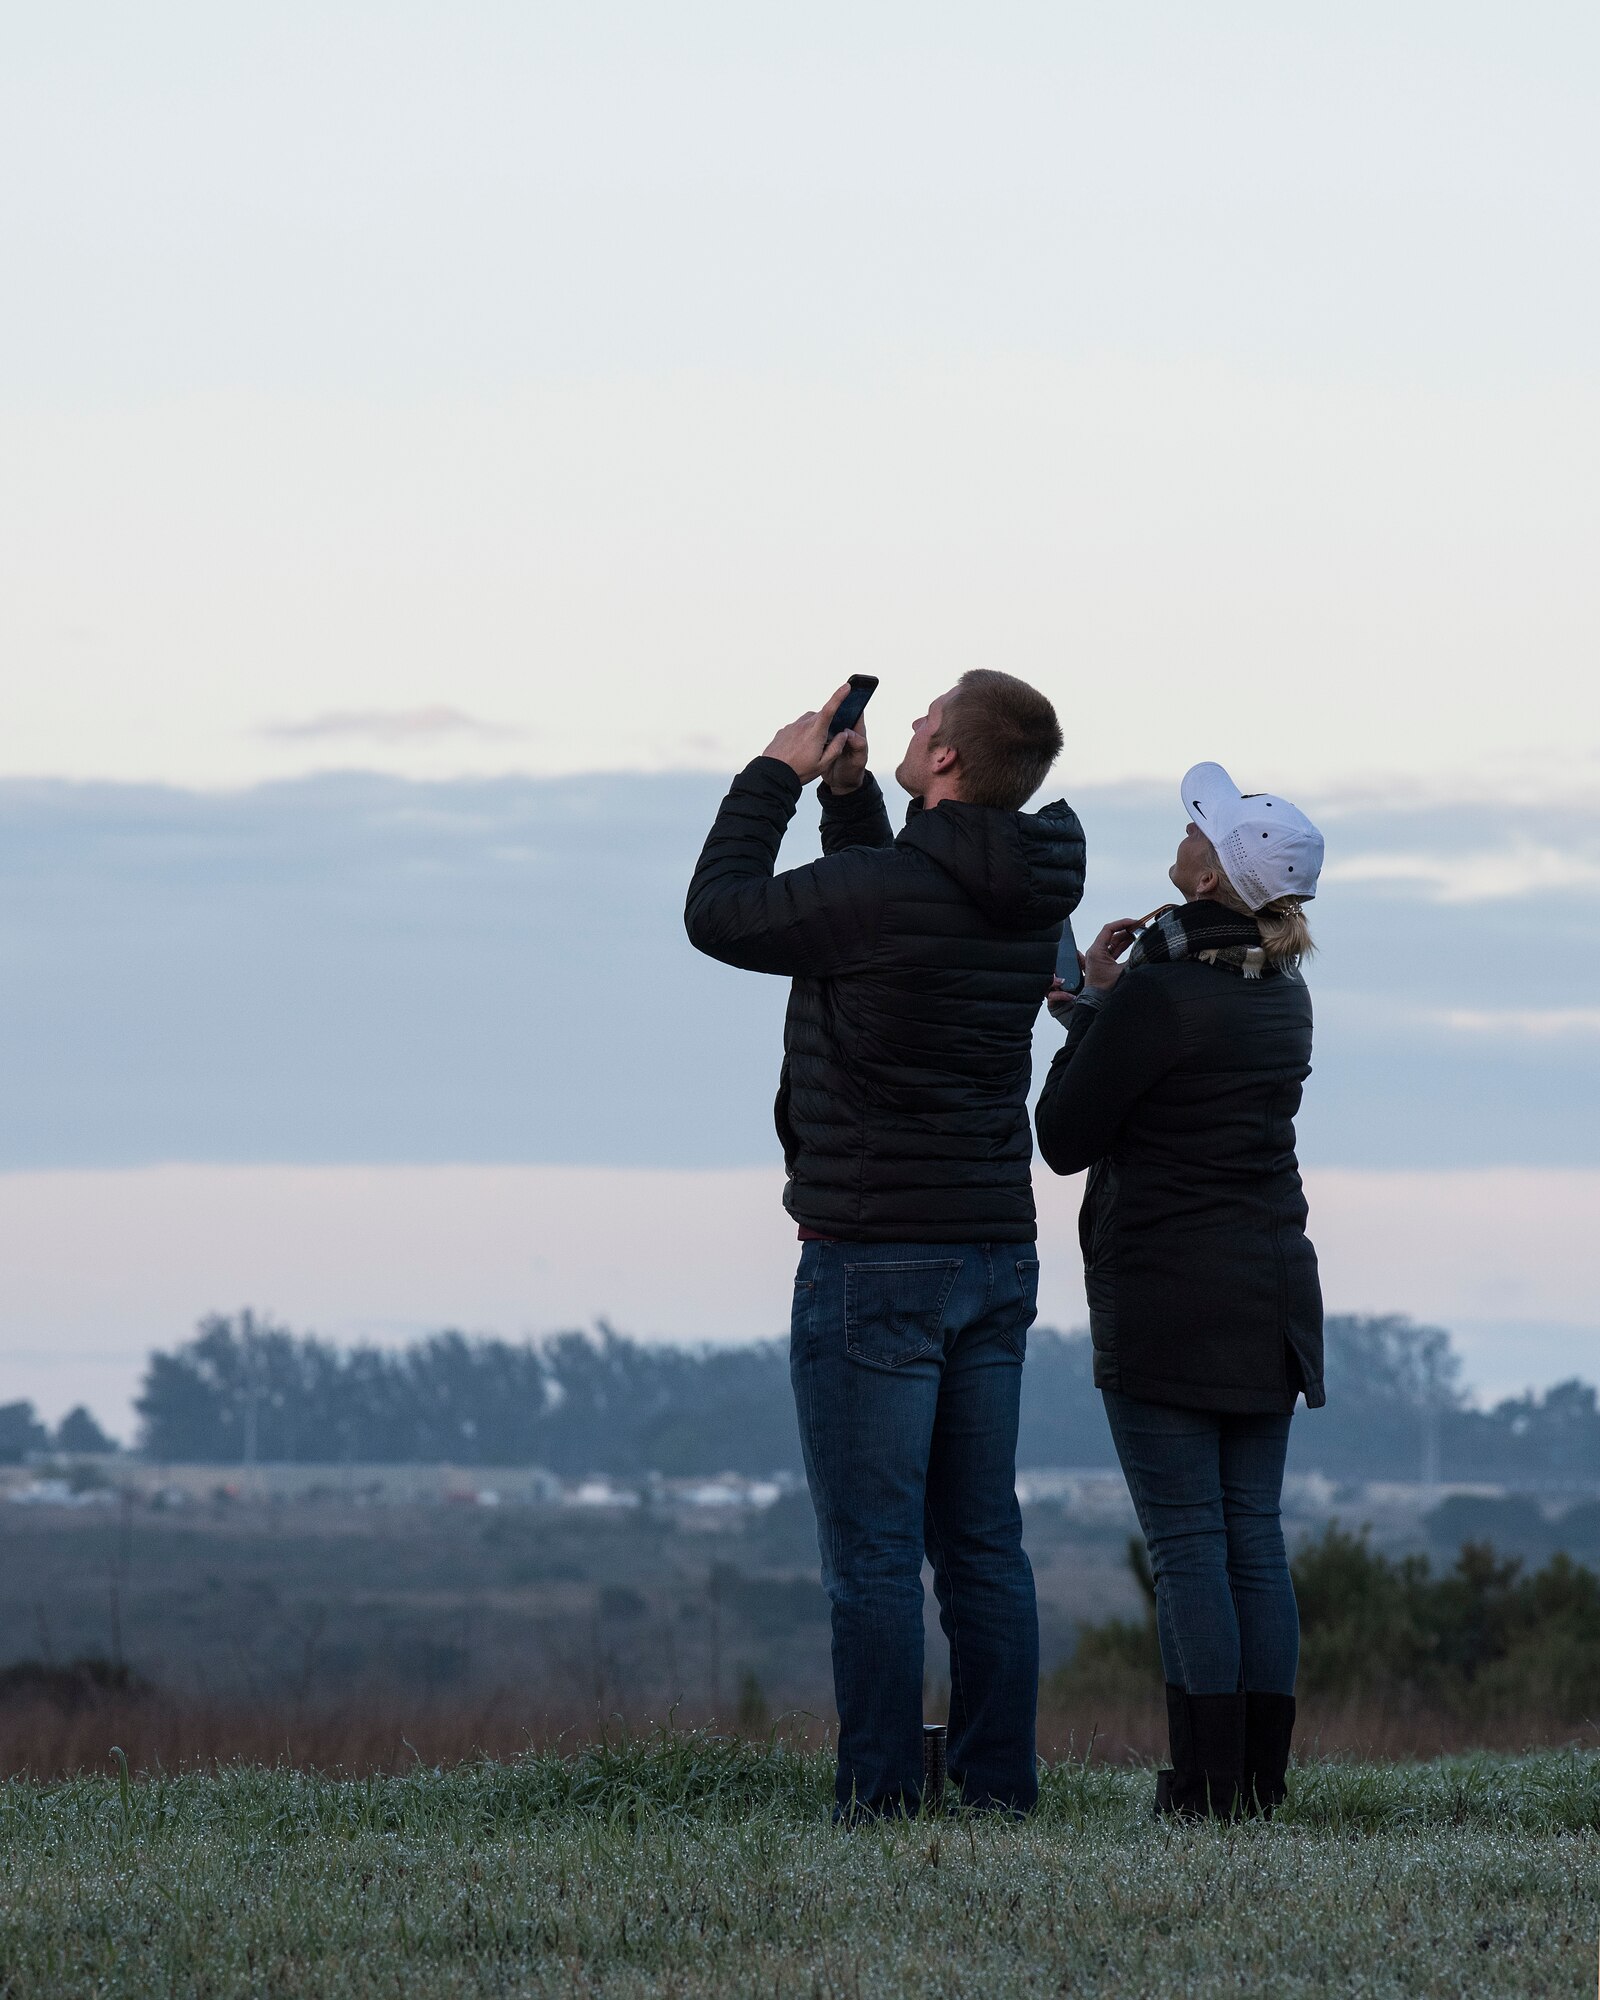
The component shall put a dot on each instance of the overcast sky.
(586, 387)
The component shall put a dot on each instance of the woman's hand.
(1060, 1000)
(1100, 968)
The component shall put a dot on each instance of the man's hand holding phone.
(812, 748)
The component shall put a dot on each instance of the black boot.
(1268, 1728)
(1206, 1732)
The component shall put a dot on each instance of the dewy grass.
(696, 1865)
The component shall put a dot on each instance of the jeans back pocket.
(894, 1313)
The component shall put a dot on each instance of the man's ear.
(945, 758)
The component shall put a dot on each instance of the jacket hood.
(1023, 870)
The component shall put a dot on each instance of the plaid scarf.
(1205, 931)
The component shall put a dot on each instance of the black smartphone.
(853, 707)
(1068, 970)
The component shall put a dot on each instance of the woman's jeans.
(906, 1360)
(1206, 1488)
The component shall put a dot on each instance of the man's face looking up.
(925, 758)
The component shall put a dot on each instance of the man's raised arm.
(813, 921)
(857, 818)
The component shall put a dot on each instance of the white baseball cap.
(1267, 847)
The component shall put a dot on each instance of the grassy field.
(701, 1866)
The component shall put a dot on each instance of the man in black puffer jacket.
(919, 964)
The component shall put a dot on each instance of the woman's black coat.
(1180, 1091)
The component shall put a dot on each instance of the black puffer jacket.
(919, 965)
(1180, 1092)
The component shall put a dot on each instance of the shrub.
(1481, 1639)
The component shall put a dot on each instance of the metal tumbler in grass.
(933, 1764)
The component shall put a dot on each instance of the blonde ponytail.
(1285, 933)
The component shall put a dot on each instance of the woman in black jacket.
(1178, 1087)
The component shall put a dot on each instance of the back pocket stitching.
(951, 1266)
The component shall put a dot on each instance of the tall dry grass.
(1381, 1731)
(45, 1741)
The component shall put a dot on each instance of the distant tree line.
(22, 1436)
(1397, 1409)
(244, 1390)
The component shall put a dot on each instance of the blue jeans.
(1206, 1488)
(906, 1360)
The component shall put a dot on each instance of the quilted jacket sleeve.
(1113, 1054)
(810, 922)
(854, 819)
